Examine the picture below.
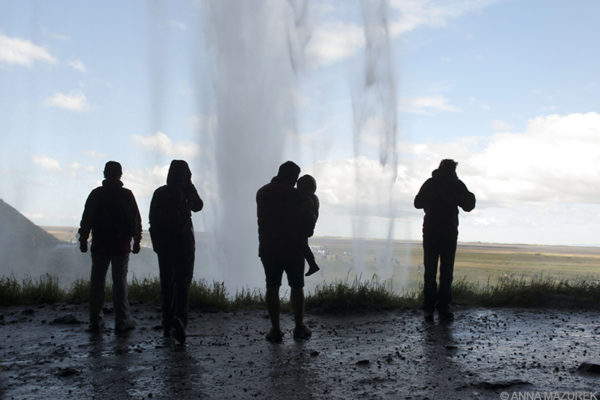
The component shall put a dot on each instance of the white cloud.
(333, 40)
(56, 36)
(177, 25)
(73, 169)
(481, 104)
(500, 126)
(77, 65)
(412, 14)
(362, 186)
(74, 101)
(23, 52)
(47, 163)
(94, 154)
(422, 105)
(555, 160)
(143, 182)
(76, 168)
(161, 143)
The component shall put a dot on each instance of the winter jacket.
(171, 216)
(285, 220)
(112, 216)
(440, 196)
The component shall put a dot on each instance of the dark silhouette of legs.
(123, 320)
(176, 273)
(294, 269)
(447, 254)
(438, 246)
(297, 303)
(430, 262)
(273, 306)
(166, 290)
(100, 264)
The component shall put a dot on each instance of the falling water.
(255, 51)
(375, 113)
(255, 54)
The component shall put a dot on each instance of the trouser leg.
(120, 298)
(184, 273)
(430, 263)
(97, 284)
(447, 255)
(273, 306)
(166, 288)
(297, 303)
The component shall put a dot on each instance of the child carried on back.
(307, 185)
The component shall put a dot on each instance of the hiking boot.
(274, 336)
(302, 332)
(95, 327)
(126, 326)
(313, 267)
(179, 330)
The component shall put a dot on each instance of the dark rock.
(28, 311)
(589, 368)
(503, 384)
(363, 362)
(68, 319)
(68, 371)
(314, 353)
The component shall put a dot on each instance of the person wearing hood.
(284, 222)
(112, 216)
(172, 235)
(440, 196)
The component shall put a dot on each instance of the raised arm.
(193, 198)
(465, 199)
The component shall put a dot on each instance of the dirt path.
(391, 355)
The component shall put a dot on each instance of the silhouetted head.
(112, 170)
(288, 172)
(179, 173)
(447, 169)
(307, 184)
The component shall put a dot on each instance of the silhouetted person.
(307, 185)
(172, 235)
(112, 216)
(440, 196)
(284, 219)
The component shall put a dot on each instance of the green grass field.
(475, 263)
(375, 274)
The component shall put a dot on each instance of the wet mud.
(46, 353)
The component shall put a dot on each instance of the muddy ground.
(486, 353)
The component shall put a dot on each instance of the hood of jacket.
(179, 173)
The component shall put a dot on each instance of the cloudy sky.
(507, 88)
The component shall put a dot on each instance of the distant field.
(474, 262)
(342, 259)
(69, 234)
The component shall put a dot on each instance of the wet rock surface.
(387, 355)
